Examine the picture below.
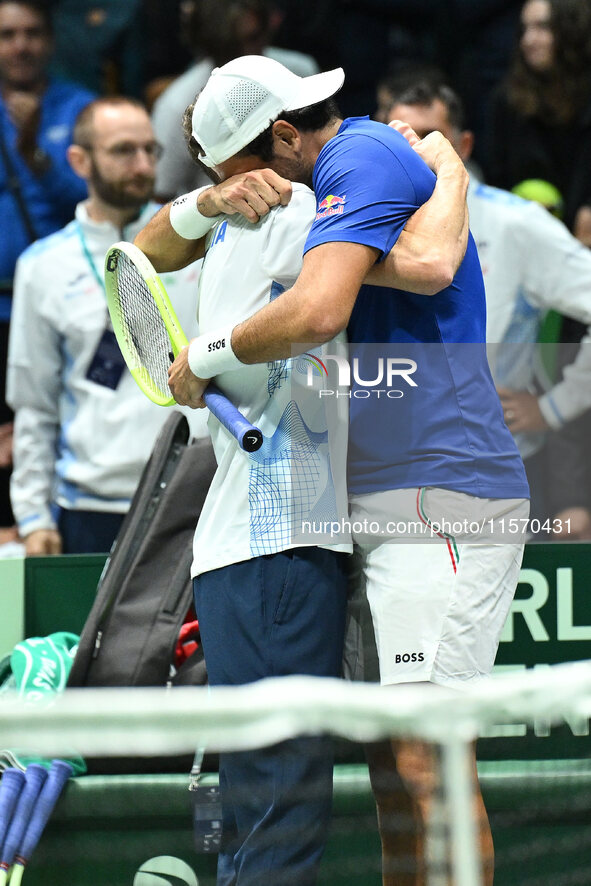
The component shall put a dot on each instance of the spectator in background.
(569, 481)
(100, 44)
(540, 121)
(388, 88)
(531, 264)
(475, 51)
(218, 30)
(305, 26)
(469, 39)
(166, 51)
(38, 189)
(83, 429)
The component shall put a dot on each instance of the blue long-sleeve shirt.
(51, 198)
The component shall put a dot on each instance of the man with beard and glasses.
(83, 429)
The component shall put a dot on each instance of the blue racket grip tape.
(11, 785)
(35, 776)
(249, 437)
(58, 775)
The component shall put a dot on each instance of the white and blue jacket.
(531, 264)
(77, 444)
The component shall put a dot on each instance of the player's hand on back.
(434, 149)
(251, 194)
(405, 130)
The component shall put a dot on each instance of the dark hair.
(41, 7)
(310, 119)
(406, 91)
(193, 145)
(83, 133)
(561, 93)
(212, 27)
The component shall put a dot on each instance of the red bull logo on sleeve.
(331, 205)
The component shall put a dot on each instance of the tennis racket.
(11, 785)
(35, 777)
(150, 336)
(57, 777)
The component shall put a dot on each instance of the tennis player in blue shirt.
(437, 488)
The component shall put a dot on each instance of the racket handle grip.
(35, 776)
(12, 783)
(249, 437)
(57, 777)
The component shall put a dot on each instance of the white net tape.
(155, 721)
(151, 722)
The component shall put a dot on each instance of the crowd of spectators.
(521, 71)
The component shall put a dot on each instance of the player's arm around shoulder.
(176, 235)
(315, 309)
(432, 245)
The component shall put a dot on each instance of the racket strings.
(143, 325)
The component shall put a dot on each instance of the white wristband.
(186, 219)
(211, 354)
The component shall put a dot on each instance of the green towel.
(36, 670)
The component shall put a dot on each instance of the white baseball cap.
(244, 96)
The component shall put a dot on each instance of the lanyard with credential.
(107, 364)
(89, 257)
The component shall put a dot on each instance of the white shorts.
(438, 606)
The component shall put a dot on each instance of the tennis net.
(540, 812)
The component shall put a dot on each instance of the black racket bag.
(141, 629)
